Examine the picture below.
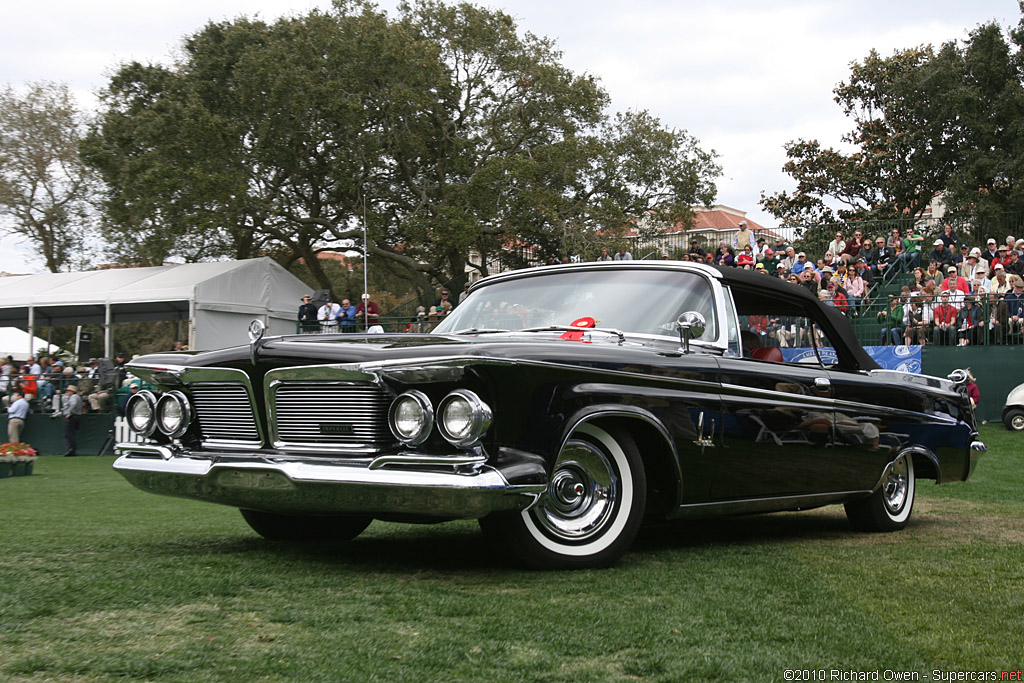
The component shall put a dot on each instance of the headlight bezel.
(427, 423)
(480, 416)
(185, 408)
(147, 398)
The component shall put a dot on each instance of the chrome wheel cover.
(582, 495)
(895, 485)
(1017, 423)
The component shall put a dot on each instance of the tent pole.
(108, 333)
(31, 328)
(192, 323)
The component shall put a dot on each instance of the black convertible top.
(751, 289)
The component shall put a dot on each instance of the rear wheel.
(1014, 420)
(278, 527)
(591, 511)
(888, 508)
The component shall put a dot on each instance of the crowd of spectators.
(104, 385)
(955, 293)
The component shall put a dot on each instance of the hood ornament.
(256, 331)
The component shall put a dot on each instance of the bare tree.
(44, 186)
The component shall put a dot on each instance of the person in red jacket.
(944, 322)
(954, 281)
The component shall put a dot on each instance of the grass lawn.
(100, 581)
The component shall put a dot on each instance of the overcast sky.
(741, 77)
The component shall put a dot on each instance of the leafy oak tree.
(45, 188)
(442, 129)
(925, 122)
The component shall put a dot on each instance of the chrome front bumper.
(414, 485)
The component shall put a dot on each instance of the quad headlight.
(464, 418)
(141, 413)
(173, 414)
(411, 418)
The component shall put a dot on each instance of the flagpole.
(366, 286)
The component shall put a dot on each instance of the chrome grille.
(225, 415)
(346, 415)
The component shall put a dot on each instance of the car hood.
(376, 348)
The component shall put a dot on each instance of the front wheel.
(277, 527)
(591, 511)
(888, 508)
(1014, 420)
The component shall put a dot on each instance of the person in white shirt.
(328, 315)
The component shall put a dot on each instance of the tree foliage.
(44, 186)
(925, 122)
(443, 129)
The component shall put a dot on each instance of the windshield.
(634, 301)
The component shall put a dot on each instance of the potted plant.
(16, 459)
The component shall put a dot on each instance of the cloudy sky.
(741, 77)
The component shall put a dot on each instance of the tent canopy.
(218, 299)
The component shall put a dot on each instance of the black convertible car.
(561, 406)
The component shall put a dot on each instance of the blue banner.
(902, 358)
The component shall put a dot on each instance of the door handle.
(822, 384)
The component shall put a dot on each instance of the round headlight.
(173, 414)
(411, 418)
(464, 418)
(140, 411)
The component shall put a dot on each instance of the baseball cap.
(998, 266)
(951, 269)
(802, 254)
(759, 266)
(780, 267)
(991, 240)
(937, 243)
(743, 222)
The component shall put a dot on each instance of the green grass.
(99, 581)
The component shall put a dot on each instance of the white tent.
(217, 299)
(18, 344)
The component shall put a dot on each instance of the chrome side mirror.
(690, 325)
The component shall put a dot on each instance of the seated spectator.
(969, 323)
(1015, 307)
(948, 237)
(998, 316)
(836, 296)
(1016, 264)
(944, 322)
(892, 322)
(745, 259)
(955, 281)
(991, 252)
(1001, 285)
(961, 256)
(856, 288)
(1003, 256)
(940, 254)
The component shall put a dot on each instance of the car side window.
(785, 339)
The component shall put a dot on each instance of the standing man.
(17, 413)
(71, 407)
(347, 316)
(328, 315)
(622, 255)
(368, 312)
(307, 315)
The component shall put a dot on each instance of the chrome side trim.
(755, 505)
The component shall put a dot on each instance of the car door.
(778, 429)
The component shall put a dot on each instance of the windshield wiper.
(479, 330)
(570, 328)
